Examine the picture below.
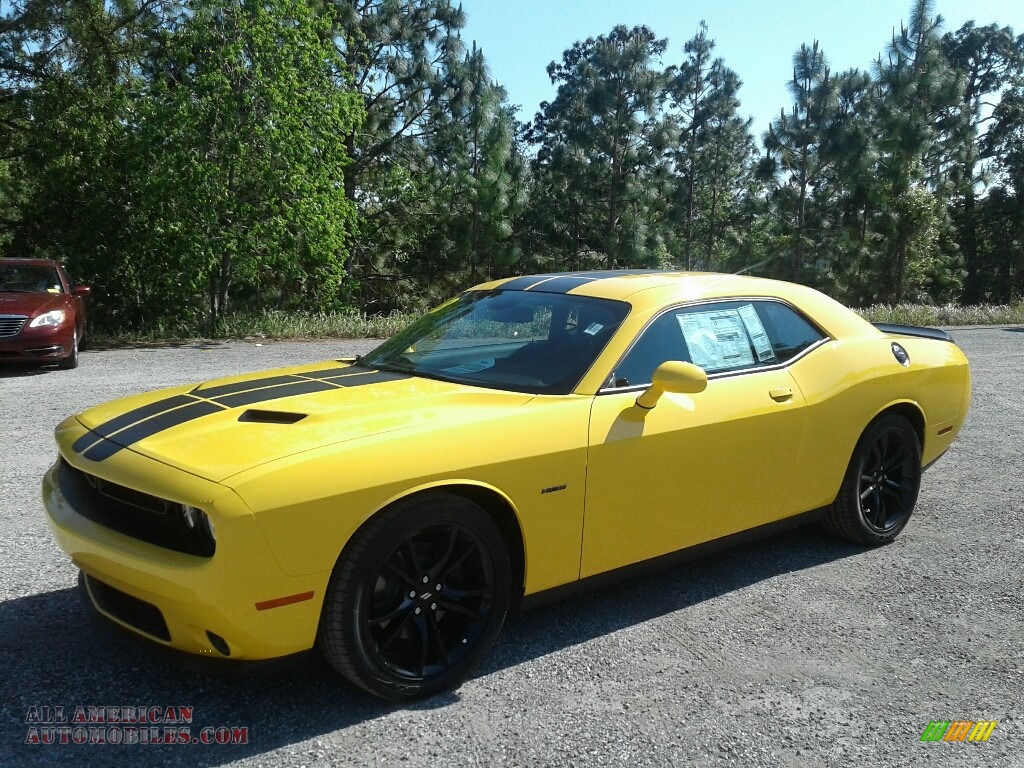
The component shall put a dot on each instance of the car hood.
(21, 303)
(220, 428)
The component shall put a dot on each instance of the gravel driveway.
(794, 650)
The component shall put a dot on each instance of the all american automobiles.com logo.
(125, 725)
(959, 730)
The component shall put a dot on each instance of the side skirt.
(663, 562)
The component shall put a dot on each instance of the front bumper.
(228, 605)
(38, 344)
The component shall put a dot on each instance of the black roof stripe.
(563, 282)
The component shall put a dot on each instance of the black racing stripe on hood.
(107, 428)
(369, 377)
(150, 427)
(154, 418)
(269, 381)
(274, 393)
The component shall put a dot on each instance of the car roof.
(29, 262)
(651, 290)
(628, 284)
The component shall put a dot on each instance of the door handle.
(781, 394)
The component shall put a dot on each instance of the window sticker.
(473, 367)
(593, 329)
(717, 339)
(762, 345)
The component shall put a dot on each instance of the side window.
(720, 337)
(790, 333)
(661, 341)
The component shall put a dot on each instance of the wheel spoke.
(460, 609)
(393, 633)
(424, 635)
(435, 631)
(410, 555)
(898, 457)
(470, 548)
(866, 492)
(439, 568)
(894, 488)
(404, 608)
(878, 508)
(402, 574)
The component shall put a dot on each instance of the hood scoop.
(271, 417)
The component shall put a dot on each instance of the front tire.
(417, 597)
(880, 488)
(71, 361)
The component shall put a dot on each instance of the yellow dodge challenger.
(532, 434)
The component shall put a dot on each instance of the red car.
(42, 313)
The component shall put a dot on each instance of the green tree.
(795, 154)
(601, 149)
(917, 90)
(713, 150)
(987, 60)
(406, 60)
(244, 137)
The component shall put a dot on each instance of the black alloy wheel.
(880, 489)
(417, 597)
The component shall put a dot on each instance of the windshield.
(526, 341)
(29, 278)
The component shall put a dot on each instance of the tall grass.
(269, 325)
(947, 314)
(356, 325)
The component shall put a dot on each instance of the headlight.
(199, 525)
(56, 317)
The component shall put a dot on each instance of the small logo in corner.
(959, 730)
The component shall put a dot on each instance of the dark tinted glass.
(719, 337)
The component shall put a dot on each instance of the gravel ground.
(795, 650)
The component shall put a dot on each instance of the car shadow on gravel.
(61, 655)
(24, 370)
(589, 615)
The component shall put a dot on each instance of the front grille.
(11, 325)
(133, 513)
(136, 613)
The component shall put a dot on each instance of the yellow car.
(532, 434)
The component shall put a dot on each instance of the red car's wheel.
(71, 361)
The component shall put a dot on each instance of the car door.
(696, 467)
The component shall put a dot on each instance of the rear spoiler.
(914, 330)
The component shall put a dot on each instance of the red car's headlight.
(55, 317)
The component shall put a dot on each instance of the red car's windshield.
(29, 278)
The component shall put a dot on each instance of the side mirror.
(81, 290)
(673, 376)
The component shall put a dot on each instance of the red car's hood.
(22, 303)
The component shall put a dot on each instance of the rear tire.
(881, 484)
(417, 597)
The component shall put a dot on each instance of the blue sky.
(756, 38)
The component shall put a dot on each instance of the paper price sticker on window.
(717, 339)
(762, 345)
